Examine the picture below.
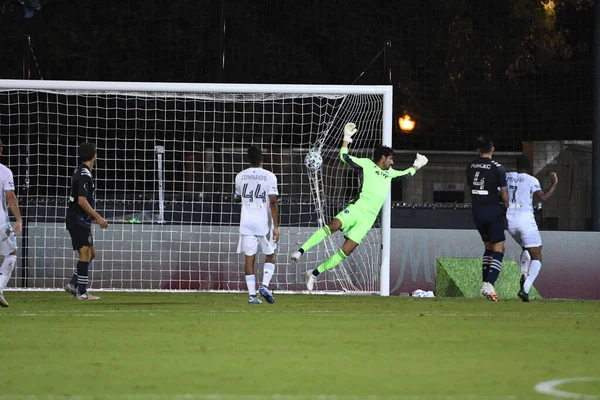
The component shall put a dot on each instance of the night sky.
(515, 70)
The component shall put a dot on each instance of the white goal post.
(167, 157)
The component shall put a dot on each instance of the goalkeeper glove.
(349, 131)
(420, 161)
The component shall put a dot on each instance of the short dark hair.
(254, 155)
(484, 144)
(87, 151)
(523, 162)
(382, 151)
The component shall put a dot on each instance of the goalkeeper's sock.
(331, 262)
(315, 239)
(485, 264)
(6, 270)
(251, 284)
(82, 276)
(268, 271)
(495, 267)
(534, 270)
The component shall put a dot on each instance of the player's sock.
(332, 262)
(6, 270)
(524, 261)
(534, 270)
(495, 267)
(251, 283)
(485, 263)
(315, 238)
(82, 276)
(268, 271)
(73, 281)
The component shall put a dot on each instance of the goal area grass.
(215, 346)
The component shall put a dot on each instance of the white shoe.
(295, 256)
(311, 280)
(3, 301)
(484, 290)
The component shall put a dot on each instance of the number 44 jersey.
(255, 185)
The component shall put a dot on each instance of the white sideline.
(254, 397)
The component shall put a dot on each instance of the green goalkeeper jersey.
(375, 182)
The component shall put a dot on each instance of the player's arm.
(503, 186)
(84, 183)
(543, 196)
(420, 162)
(275, 216)
(13, 203)
(354, 162)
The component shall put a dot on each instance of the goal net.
(167, 158)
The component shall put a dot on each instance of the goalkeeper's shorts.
(356, 222)
(8, 242)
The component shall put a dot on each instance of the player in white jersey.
(521, 221)
(8, 246)
(259, 222)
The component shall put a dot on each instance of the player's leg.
(268, 247)
(483, 228)
(334, 225)
(496, 245)
(86, 254)
(515, 229)
(355, 227)
(248, 244)
(532, 241)
(6, 269)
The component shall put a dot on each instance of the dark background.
(518, 70)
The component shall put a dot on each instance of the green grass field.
(215, 346)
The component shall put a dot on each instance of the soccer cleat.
(254, 300)
(522, 281)
(524, 296)
(295, 256)
(71, 289)
(487, 291)
(311, 280)
(3, 301)
(266, 294)
(87, 296)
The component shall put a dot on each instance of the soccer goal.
(168, 154)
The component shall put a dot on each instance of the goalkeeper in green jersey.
(359, 216)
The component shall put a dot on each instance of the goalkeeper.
(359, 216)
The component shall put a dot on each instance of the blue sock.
(485, 265)
(495, 267)
(82, 276)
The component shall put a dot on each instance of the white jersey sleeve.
(255, 185)
(521, 188)
(7, 182)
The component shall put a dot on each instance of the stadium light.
(406, 123)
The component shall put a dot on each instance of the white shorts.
(8, 242)
(525, 231)
(248, 244)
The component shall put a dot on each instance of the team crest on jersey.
(346, 211)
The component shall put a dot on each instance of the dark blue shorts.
(490, 224)
(80, 236)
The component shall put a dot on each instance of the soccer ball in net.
(313, 161)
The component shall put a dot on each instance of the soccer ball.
(313, 161)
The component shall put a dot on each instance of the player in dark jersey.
(80, 216)
(486, 177)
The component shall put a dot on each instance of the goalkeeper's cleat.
(87, 296)
(295, 256)
(3, 301)
(253, 299)
(311, 280)
(71, 289)
(266, 294)
(522, 282)
(524, 296)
